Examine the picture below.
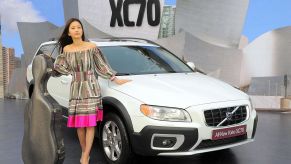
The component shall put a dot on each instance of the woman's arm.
(61, 65)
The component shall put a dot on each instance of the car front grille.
(214, 143)
(225, 116)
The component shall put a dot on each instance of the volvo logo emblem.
(229, 116)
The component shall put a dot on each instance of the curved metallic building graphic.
(268, 55)
(216, 22)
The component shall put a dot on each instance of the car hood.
(178, 89)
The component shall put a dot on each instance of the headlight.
(165, 113)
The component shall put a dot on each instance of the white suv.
(168, 108)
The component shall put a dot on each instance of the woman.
(82, 59)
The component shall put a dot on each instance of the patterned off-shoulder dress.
(85, 102)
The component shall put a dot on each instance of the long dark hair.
(65, 39)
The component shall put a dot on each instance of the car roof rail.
(122, 39)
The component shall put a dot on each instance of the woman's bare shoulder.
(91, 45)
(88, 45)
(67, 48)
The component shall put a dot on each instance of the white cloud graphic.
(13, 11)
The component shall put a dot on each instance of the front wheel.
(114, 140)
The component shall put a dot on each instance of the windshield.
(127, 60)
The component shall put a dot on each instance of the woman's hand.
(121, 81)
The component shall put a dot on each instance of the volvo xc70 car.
(168, 109)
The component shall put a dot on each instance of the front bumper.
(188, 140)
(148, 141)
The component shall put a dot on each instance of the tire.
(114, 140)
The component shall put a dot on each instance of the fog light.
(164, 142)
(167, 142)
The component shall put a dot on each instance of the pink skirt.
(89, 120)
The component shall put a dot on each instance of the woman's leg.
(90, 131)
(82, 138)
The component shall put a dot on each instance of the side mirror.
(192, 65)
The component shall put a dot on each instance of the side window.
(55, 51)
(50, 49)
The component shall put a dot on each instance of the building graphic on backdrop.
(8, 66)
(5, 68)
(1, 66)
(17, 62)
(8, 63)
(8, 58)
(167, 27)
